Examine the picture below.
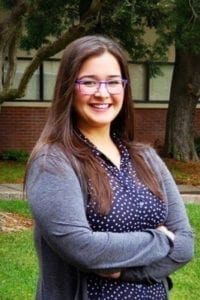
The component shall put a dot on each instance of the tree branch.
(50, 50)
(86, 26)
(12, 57)
(9, 31)
(193, 10)
(46, 52)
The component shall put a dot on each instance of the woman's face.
(95, 107)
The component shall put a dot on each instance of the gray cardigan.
(67, 247)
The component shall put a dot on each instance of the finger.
(113, 275)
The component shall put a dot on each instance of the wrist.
(169, 233)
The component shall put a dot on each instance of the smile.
(101, 105)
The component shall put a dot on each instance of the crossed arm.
(58, 207)
(176, 224)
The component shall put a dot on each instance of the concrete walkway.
(11, 191)
(190, 194)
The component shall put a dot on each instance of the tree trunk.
(185, 92)
(10, 30)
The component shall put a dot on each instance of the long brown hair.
(61, 122)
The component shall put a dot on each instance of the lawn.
(18, 267)
(16, 206)
(18, 263)
(187, 280)
(184, 173)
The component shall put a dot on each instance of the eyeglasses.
(91, 86)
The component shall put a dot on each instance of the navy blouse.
(134, 208)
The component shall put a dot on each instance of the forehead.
(104, 65)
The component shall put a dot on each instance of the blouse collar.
(125, 157)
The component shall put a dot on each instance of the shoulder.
(50, 158)
(150, 156)
(50, 162)
(145, 150)
(52, 150)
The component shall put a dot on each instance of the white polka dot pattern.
(134, 208)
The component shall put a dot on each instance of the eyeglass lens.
(92, 86)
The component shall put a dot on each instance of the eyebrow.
(95, 76)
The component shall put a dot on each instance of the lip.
(100, 105)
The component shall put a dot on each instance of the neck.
(101, 138)
(97, 136)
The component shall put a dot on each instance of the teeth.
(102, 105)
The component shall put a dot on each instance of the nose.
(102, 90)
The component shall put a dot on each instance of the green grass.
(184, 173)
(15, 206)
(18, 263)
(18, 267)
(187, 280)
(11, 172)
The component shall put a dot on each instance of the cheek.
(79, 101)
(119, 100)
(78, 98)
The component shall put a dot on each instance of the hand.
(111, 275)
(169, 233)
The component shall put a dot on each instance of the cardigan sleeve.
(177, 222)
(56, 202)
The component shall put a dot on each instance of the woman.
(109, 221)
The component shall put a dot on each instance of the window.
(50, 70)
(33, 85)
(138, 81)
(159, 87)
(145, 88)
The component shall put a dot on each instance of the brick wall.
(150, 125)
(20, 127)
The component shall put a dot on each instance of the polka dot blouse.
(134, 208)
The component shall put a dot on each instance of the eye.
(115, 82)
(88, 83)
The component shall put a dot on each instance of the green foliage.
(181, 24)
(47, 19)
(11, 172)
(122, 21)
(188, 25)
(174, 21)
(8, 3)
(15, 155)
(154, 69)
